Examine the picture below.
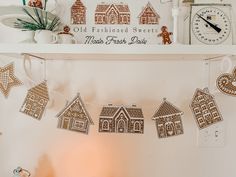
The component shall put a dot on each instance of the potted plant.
(38, 21)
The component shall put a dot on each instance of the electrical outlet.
(212, 136)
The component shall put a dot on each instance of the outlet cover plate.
(212, 136)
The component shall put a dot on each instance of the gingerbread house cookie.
(121, 119)
(75, 117)
(205, 109)
(168, 120)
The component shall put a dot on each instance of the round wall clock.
(211, 24)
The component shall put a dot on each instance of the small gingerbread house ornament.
(75, 117)
(149, 16)
(204, 108)
(112, 14)
(168, 120)
(78, 13)
(36, 101)
(121, 119)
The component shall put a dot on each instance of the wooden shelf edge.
(83, 49)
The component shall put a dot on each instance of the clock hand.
(211, 25)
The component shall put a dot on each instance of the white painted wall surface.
(50, 152)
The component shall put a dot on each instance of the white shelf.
(117, 49)
(81, 50)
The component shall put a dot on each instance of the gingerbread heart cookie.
(226, 83)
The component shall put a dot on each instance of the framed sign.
(99, 22)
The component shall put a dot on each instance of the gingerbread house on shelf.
(204, 108)
(112, 14)
(78, 13)
(120, 119)
(75, 117)
(168, 120)
(36, 101)
(148, 15)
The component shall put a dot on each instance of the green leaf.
(39, 21)
(45, 4)
(24, 3)
(38, 16)
(30, 15)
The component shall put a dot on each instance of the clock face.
(211, 25)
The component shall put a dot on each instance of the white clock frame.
(226, 8)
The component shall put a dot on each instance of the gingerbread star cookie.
(8, 79)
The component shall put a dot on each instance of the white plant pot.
(45, 37)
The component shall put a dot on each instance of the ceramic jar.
(65, 37)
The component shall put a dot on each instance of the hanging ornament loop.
(27, 65)
(226, 64)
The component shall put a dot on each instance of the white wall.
(50, 152)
